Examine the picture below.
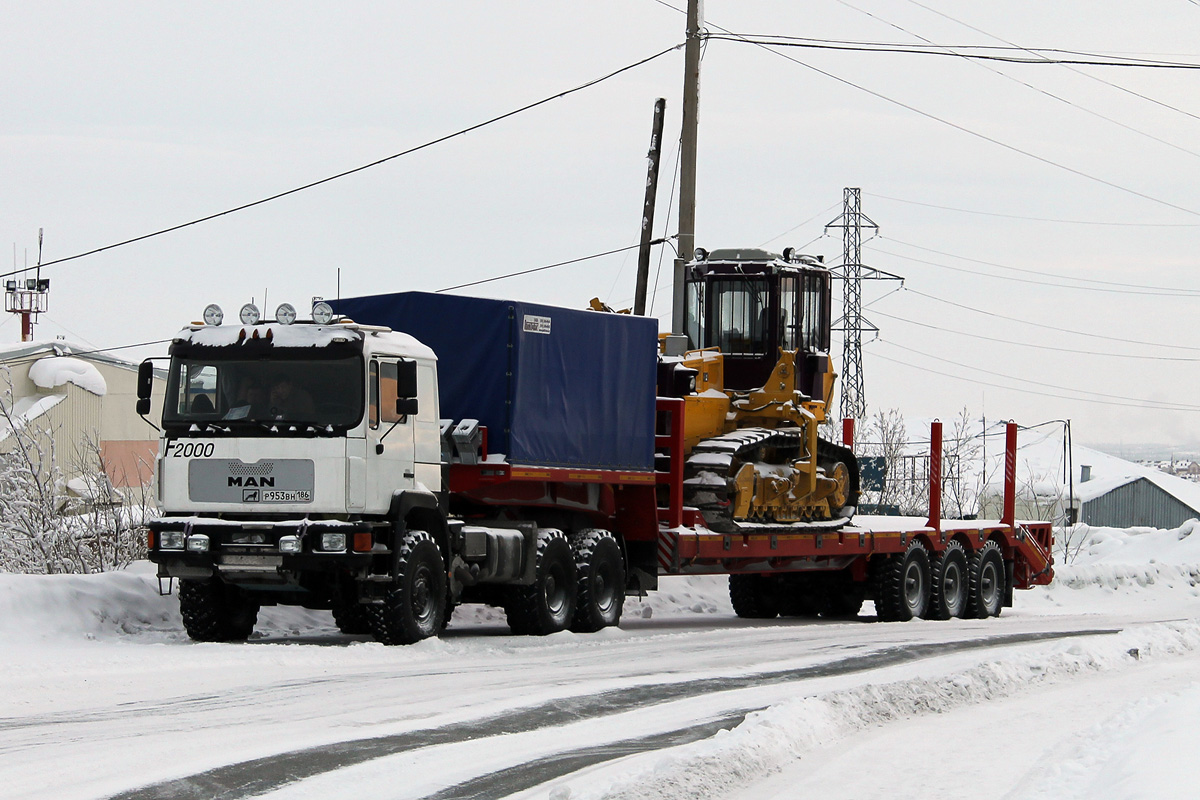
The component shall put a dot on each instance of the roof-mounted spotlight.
(322, 313)
(213, 315)
(788, 252)
(701, 254)
(285, 314)
(249, 314)
(10, 286)
(31, 284)
(43, 284)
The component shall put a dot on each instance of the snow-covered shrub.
(42, 528)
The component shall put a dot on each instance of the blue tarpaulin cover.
(555, 387)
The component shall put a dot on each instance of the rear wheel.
(215, 612)
(415, 605)
(600, 595)
(949, 583)
(843, 596)
(547, 606)
(902, 584)
(753, 596)
(985, 597)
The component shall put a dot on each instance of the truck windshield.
(316, 393)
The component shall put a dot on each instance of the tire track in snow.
(261, 775)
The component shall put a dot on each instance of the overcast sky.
(123, 118)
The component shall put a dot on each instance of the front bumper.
(249, 550)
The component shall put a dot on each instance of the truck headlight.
(333, 542)
(197, 543)
(289, 544)
(170, 540)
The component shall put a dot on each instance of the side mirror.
(145, 380)
(406, 380)
(406, 406)
(145, 385)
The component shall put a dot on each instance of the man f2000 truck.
(440, 450)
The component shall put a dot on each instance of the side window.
(388, 387)
(789, 334)
(373, 412)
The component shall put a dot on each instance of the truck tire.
(800, 594)
(548, 606)
(843, 597)
(600, 567)
(902, 584)
(415, 604)
(949, 583)
(351, 616)
(214, 612)
(985, 595)
(753, 597)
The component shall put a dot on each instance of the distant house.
(70, 397)
(1137, 501)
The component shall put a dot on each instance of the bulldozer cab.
(751, 303)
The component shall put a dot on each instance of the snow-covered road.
(1076, 692)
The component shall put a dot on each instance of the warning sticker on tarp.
(535, 324)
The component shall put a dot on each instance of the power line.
(32, 358)
(1119, 288)
(363, 167)
(1010, 388)
(1035, 346)
(548, 266)
(773, 40)
(1164, 405)
(979, 62)
(1124, 340)
(964, 129)
(1087, 75)
(1041, 219)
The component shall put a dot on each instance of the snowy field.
(1089, 688)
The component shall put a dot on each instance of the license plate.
(252, 561)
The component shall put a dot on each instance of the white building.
(78, 401)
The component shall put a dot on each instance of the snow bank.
(56, 371)
(773, 738)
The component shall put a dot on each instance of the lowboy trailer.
(443, 450)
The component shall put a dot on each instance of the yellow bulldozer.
(754, 370)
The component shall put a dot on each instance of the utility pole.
(643, 273)
(853, 272)
(687, 158)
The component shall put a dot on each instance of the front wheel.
(415, 605)
(215, 612)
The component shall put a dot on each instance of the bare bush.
(43, 529)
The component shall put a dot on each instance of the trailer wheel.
(600, 595)
(902, 584)
(415, 604)
(985, 597)
(800, 594)
(215, 612)
(949, 583)
(843, 597)
(753, 597)
(549, 604)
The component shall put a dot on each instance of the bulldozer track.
(710, 469)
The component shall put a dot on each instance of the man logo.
(250, 495)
